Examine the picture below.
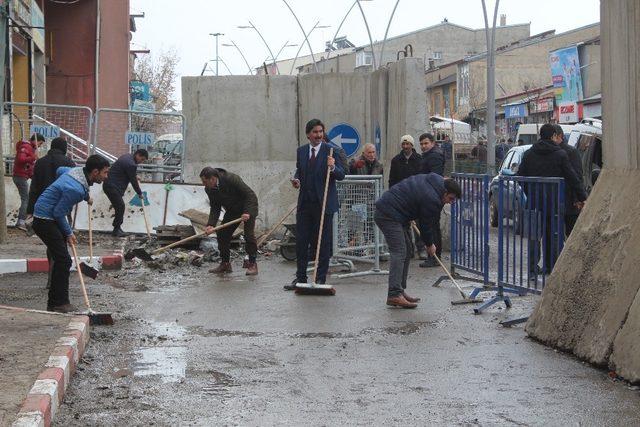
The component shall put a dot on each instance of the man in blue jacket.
(312, 163)
(51, 225)
(122, 173)
(418, 198)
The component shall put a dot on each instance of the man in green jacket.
(229, 192)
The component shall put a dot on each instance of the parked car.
(530, 132)
(586, 137)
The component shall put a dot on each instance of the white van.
(530, 132)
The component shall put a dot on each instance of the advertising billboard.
(565, 73)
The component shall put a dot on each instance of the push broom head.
(467, 300)
(88, 270)
(314, 289)
(100, 318)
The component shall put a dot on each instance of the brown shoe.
(400, 301)
(409, 298)
(252, 269)
(65, 308)
(224, 267)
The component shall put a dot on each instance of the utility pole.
(216, 35)
(491, 87)
(4, 26)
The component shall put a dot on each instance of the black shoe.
(429, 263)
(117, 232)
(292, 286)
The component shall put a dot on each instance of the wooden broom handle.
(84, 289)
(270, 232)
(195, 236)
(324, 205)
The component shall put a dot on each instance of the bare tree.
(160, 73)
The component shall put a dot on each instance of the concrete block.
(37, 265)
(13, 266)
(589, 298)
(625, 359)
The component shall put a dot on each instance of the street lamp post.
(263, 41)
(306, 37)
(491, 87)
(384, 41)
(345, 18)
(233, 44)
(216, 35)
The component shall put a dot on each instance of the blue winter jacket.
(417, 198)
(57, 201)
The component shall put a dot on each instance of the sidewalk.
(38, 355)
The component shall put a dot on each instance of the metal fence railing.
(20, 120)
(355, 235)
(470, 230)
(162, 134)
(530, 234)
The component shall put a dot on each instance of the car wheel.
(493, 212)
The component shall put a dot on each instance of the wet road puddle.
(219, 384)
(168, 363)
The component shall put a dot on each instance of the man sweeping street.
(228, 191)
(122, 173)
(313, 162)
(417, 198)
(51, 225)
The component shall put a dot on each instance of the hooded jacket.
(433, 161)
(57, 201)
(418, 197)
(402, 168)
(25, 159)
(44, 172)
(547, 159)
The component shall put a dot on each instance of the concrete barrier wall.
(247, 125)
(591, 304)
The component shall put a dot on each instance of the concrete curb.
(41, 265)
(41, 404)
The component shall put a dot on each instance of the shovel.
(146, 256)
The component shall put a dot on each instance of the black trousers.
(56, 243)
(307, 227)
(226, 234)
(114, 196)
(547, 246)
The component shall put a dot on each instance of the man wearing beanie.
(44, 171)
(406, 163)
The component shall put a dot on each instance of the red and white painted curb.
(41, 404)
(41, 265)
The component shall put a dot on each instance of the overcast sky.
(185, 24)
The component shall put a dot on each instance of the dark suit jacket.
(302, 173)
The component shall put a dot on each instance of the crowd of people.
(417, 193)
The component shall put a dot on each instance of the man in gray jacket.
(123, 172)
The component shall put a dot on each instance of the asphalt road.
(191, 348)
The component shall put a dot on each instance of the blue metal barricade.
(470, 230)
(530, 234)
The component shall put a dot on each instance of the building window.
(437, 55)
(363, 58)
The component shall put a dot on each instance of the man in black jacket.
(227, 190)
(571, 211)
(418, 198)
(406, 163)
(44, 171)
(547, 159)
(122, 173)
(432, 162)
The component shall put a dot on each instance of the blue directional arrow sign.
(346, 136)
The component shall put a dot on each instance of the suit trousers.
(307, 228)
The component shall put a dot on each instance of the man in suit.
(312, 162)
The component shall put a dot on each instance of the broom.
(465, 298)
(94, 318)
(313, 288)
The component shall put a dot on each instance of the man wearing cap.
(406, 163)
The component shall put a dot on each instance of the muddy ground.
(193, 349)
